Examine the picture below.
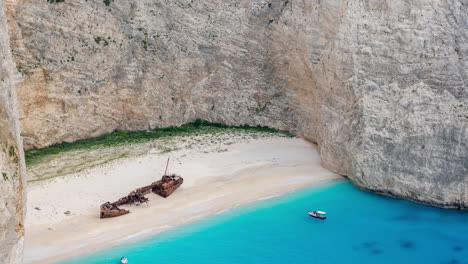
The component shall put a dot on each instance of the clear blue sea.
(361, 228)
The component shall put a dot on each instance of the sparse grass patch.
(166, 150)
(21, 70)
(75, 167)
(261, 108)
(12, 152)
(117, 138)
(98, 41)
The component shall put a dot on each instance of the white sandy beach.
(217, 177)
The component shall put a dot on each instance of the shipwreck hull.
(111, 210)
(167, 185)
(114, 213)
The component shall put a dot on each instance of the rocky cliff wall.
(390, 96)
(380, 85)
(11, 159)
(91, 67)
(409, 73)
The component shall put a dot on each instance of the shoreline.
(148, 234)
(214, 182)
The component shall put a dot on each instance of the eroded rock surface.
(380, 85)
(91, 68)
(11, 159)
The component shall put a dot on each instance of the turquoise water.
(361, 228)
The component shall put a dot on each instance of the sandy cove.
(214, 181)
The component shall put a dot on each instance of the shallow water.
(361, 228)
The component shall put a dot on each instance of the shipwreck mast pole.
(167, 164)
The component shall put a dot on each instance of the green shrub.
(121, 133)
(12, 152)
(122, 137)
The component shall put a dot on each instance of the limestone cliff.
(91, 67)
(11, 159)
(380, 85)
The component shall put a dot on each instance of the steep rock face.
(389, 96)
(409, 137)
(91, 68)
(11, 159)
(380, 85)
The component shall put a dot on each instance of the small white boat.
(123, 260)
(318, 214)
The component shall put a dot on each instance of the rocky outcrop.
(380, 85)
(12, 170)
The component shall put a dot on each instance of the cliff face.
(91, 68)
(380, 85)
(393, 99)
(12, 169)
(415, 121)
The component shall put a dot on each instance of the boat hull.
(164, 187)
(318, 216)
(109, 210)
(167, 185)
(107, 214)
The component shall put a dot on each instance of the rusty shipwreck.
(164, 187)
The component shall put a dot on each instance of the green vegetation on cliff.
(122, 137)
